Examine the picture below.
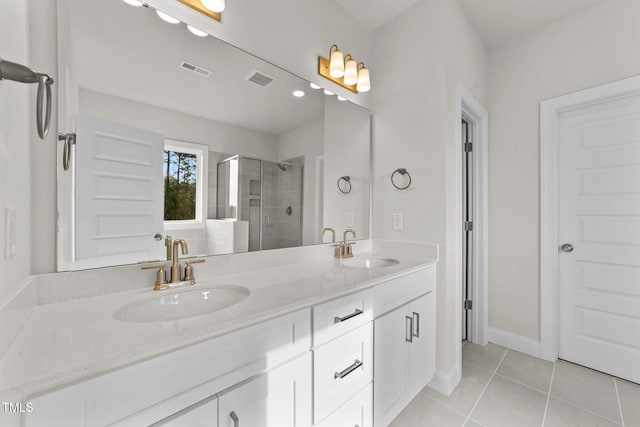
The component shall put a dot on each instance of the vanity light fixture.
(167, 18)
(196, 32)
(134, 3)
(206, 7)
(298, 93)
(344, 70)
(214, 5)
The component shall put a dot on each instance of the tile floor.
(504, 388)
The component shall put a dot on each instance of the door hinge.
(468, 304)
(468, 226)
(468, 147)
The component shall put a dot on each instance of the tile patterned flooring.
(504, 388)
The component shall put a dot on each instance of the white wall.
(17, 122)
(413, 127)
(347, 141)
(599, 45)
(306, 141)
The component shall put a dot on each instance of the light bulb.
(314, 86)
(336, 63)
(298, 93)
(135, 3)
(214, 5)
(364, 83)
(350, 71)
(196, 32)
(167, 18)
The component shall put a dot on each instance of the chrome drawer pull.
(416, 316)
(347, 371)
(236, 420)
(408, 332)
(348, 316)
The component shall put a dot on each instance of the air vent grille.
(195, 69)
(261, 79)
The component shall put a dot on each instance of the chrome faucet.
(175, 260)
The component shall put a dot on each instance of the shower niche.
(258, 205)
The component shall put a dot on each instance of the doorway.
(468, 220)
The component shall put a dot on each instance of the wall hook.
(403, 172)
(346, 185)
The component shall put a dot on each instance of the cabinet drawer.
(358, 411)
(341, 368)
(394, 293)
(201, 414)
(337, 317)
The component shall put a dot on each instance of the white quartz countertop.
(70, 341)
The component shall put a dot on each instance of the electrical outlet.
(10, 236)
(351, 220)
(397, 221)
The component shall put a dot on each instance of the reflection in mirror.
(192, 138)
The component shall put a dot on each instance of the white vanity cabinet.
(404, 352)
(202, 414)
(279, 398)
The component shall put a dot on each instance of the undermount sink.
(370, 262)
(181, 304)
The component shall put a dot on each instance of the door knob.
(566, 248)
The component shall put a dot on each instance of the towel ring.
(403, 172)
(347, 180)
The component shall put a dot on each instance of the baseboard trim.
(515, 342)
(445, 382)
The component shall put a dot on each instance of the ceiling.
(130, 53)
(498, 21)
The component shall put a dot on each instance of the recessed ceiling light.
(298, 93)
(314, 86)
(196, 32)
(168, 18)
(135, 3)
(328, 92)
(341, 98)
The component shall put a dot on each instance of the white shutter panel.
(119, 194)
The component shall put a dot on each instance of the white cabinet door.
(421, 349)
(357, 411)
(280, 398)
(202, 414)
(390, 366)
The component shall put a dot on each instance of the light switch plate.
(351, 220)
(397, 221)
(10, 232)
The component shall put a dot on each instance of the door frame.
(474, 113)
(550, 111)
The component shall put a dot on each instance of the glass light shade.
(196, 32)
(135, 3)
(214, 5)
(167, 18)
(350, 72)
(364, 84)
(336, 64)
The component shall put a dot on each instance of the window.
(185, 184)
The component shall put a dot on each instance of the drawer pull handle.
(348, 316)
(348, 370)
(416, 317)
(236, 420)
(408, 332)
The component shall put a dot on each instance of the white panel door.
(599, 216)
(119, 194)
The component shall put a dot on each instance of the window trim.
(202, 154)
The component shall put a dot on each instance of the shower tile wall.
(250, 199)
(289, 195)
(269, 205)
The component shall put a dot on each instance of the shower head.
(282, 166)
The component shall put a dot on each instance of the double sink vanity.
(282, 338)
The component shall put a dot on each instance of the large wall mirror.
(187, 136)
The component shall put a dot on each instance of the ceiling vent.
(260, 79)
(195, 69)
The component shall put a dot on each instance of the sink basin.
(181, 304)
(370, 262)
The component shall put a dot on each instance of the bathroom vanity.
(321, 342)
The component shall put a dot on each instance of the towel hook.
(20, 73)
(347, 185)
(403, 172)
